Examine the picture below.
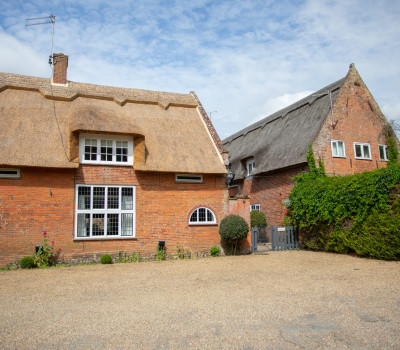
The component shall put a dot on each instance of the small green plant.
(257, 218)
(27, 262)
(180, 252)
(160, 255)
(215, 251)
(45, 255)
(120, 258)
(232, 229)
(106, 259)
(135, 257)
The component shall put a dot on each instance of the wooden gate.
(258, 235)
(284, 238)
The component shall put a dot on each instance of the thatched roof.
(40, 124)
(280, 140)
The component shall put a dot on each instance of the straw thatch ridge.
(41, 131)
(281, 139)
(74, 90)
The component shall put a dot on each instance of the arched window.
(202, 216)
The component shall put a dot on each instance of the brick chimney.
(60, 65)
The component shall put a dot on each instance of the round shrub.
(215, 251)
(257, 218)
(233, 227)
(27, 263)
(106, 259)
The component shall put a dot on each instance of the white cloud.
(246, 59)
(18, 58)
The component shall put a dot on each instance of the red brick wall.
(241, 207)
(357, 118)
(44, 199)
(270, 191)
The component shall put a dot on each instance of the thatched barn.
(342, 122)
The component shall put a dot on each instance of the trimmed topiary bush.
(106, 259)
(257, 218)
(27, 263)
(232, 229)
(215, 251)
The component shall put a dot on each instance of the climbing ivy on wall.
(348, 213)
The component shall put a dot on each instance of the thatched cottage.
(105, 169)
(341, 121)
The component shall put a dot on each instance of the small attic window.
(10, 173)
(188, 178)
(250, 166)
(105, 149)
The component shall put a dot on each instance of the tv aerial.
(44, 20)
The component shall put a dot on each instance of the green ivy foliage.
(393, 154)
(348, 213)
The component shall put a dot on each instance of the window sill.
(107, 163)
(104, 238)
(370, 159)
(342, 157)
(205, 224)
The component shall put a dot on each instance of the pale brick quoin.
(278, 144)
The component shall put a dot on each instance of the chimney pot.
(60, 65)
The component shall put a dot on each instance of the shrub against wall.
(348, 214)
(232, 229)
(257, 218)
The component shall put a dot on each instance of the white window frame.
(255, 207)
(105, 211)
(198, 222)
(4, 173)
(189, 178)
(250, 166)
(103, 137)
(362, 145)
(385, 148)
(336, 142)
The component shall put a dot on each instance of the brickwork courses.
(43, 199)
(356, 118)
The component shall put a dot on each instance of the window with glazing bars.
(105, 211)
(202, 216)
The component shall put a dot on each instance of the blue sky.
(244, 59)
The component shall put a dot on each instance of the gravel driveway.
(281, 300)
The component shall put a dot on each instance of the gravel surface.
(279, 300)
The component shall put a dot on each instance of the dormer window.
(250, 165)
(105, 149)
